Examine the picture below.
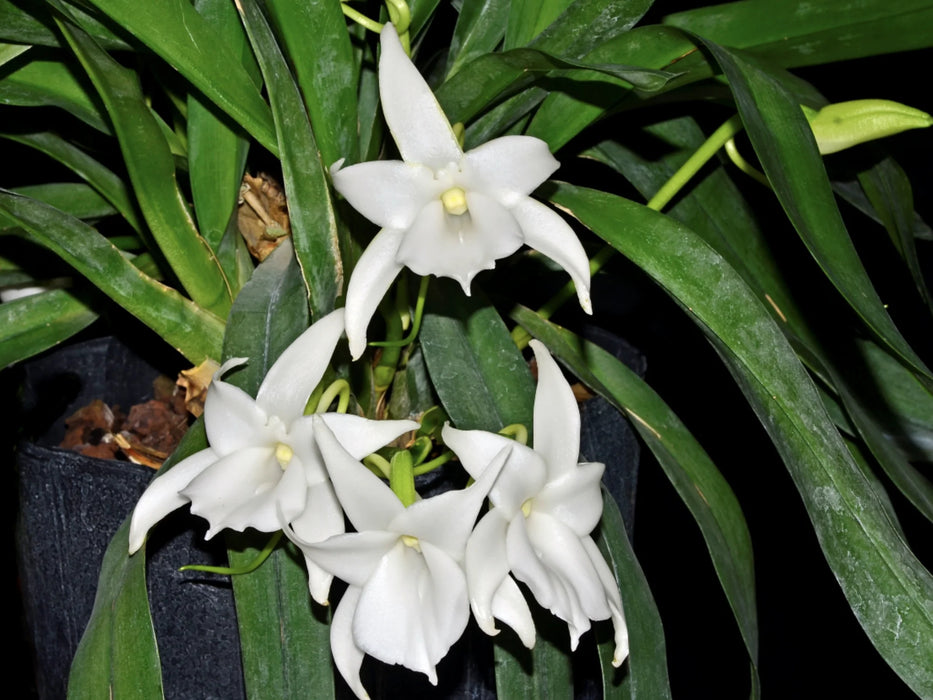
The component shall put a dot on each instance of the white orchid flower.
(545, 507)
(406, 602)
(262, 468)
(443, 211)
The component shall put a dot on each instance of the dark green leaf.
(75, 198)
(191, 330)
(716, 210)
(42, 83)
(421, 13)
(177, 33)
(480, 376)
(105, 181)
(788, 153)
(35, 323)
(328, 85)
(802, 33)
(903, 406)
(31, 23)
(587, 24)
(479, 30)
(890, 194)
(216, 150)
(488, 78)
(889, 590)
(152, 170)
(310, 208)
(577, 104)
(644, 676)
(527, 18)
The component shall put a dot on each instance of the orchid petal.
(361, 436)
(371, 278)
(305, 449)
(298, 370)
(320, 519)
(413, 609)
(508, 168)
(367, 501)
(615, 601)
(162, 496)
(232, 420)
(475, 448)
(348, 658)
(557, 417)
(218, 491)
(487, 566)
(352, 557)
(563, 553)
(545, 231)
(459, 246)
(415, 118)
(509, 605)
(574, 498)
(527, 567)
(390, 193)
(522, 476)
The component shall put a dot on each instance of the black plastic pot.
(69, 508)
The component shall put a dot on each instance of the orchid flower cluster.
(414, 567)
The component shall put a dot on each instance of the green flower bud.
(844, 124)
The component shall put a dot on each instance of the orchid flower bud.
(845, 124)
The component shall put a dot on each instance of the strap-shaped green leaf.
(310, 208)
(177, 33)
(151, 167)
(565, 113)
(646, 675)
(888, 189)
(193, 331)
(480, 376)
(329, 87)
(527, 19)
(788, 153)
(40, 83)
(75, 198)
(35, 323)
(890, 591)
(479, 29)
(586, 24)
(101, 178)
(802, 33)
(694, 476)
(489, 77)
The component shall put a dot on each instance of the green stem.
(425, 467)
(360, 18)
(517, 432)
(416, 325)
(718, 139)
(378, 465)
(733, 152)
(341, 388)
(252, 566)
